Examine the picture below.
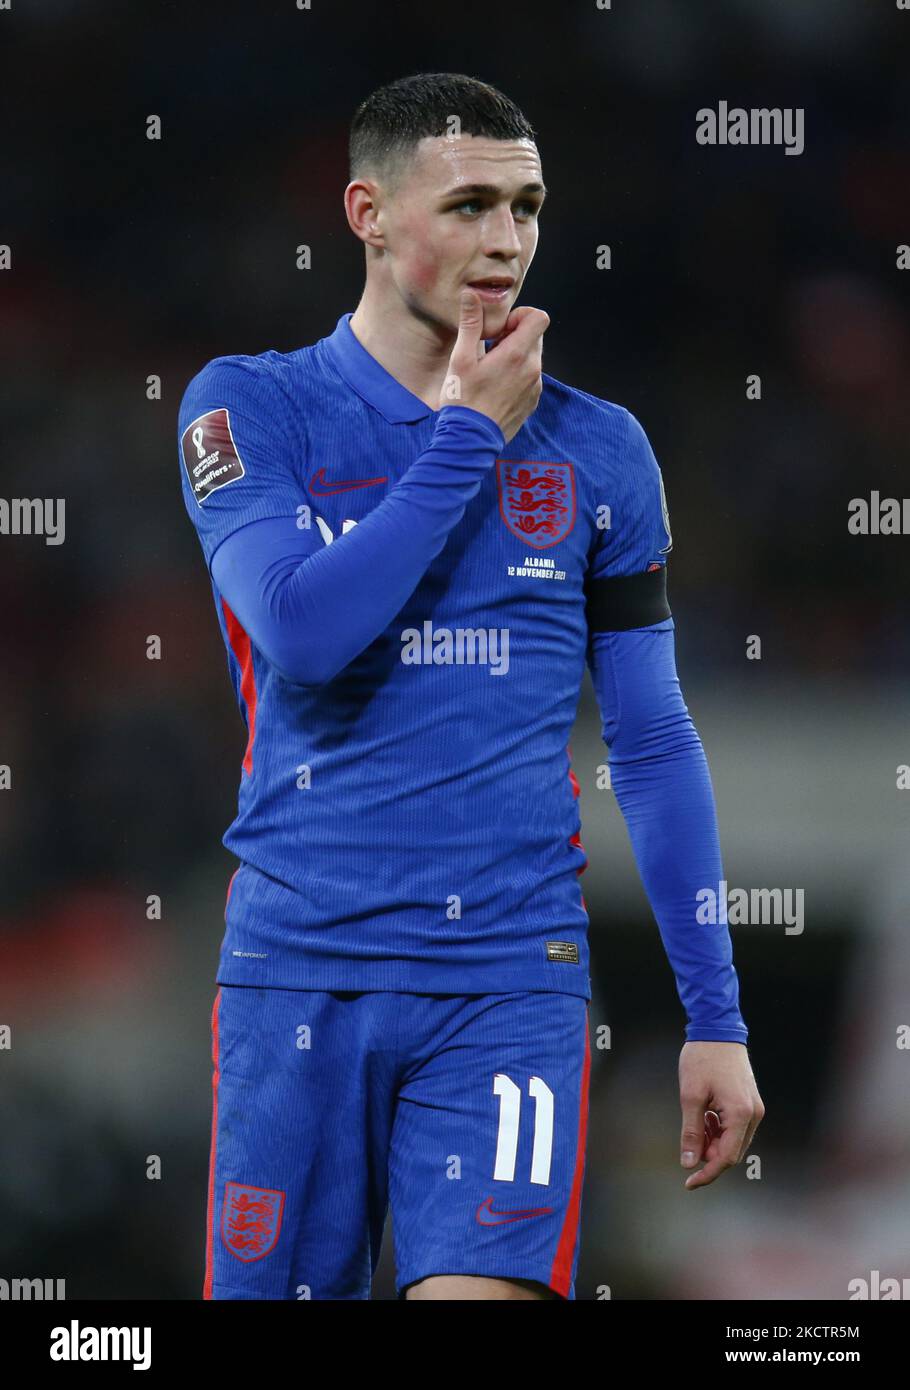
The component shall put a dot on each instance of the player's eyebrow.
(492, 190)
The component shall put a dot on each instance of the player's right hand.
(504, 383)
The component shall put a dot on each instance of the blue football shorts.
(466, 1114)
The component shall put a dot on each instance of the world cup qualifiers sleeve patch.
(210, 455)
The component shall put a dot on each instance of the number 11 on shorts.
(507, 1137)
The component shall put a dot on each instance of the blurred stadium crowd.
(134, 259)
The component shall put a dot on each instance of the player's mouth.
(493, 288)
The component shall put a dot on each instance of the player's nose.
(502, 241)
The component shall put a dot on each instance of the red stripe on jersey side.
(561, 1273)
(576, 789)
(240, 646)
(210, 1206)
(576, 838)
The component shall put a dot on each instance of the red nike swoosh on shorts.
(321, 486)
(501, 1217)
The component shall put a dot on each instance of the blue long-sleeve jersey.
(407, 605)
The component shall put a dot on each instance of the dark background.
(133, 258)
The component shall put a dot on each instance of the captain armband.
(635, 600)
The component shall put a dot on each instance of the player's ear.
(361, 208)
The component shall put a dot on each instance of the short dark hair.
(387, 126)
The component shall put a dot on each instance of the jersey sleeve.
(312, 611)
(660, 777)
(626, 579)
(239, 460)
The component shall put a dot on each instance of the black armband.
(635, 600)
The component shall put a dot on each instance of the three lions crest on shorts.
(250, 1220)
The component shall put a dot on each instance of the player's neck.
(409, 350)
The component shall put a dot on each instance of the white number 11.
(507, 1138)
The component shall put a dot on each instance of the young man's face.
(442, 233)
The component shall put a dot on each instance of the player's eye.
(532, 208)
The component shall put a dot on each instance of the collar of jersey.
(370, 379)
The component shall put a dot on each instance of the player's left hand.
(721, 1107)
